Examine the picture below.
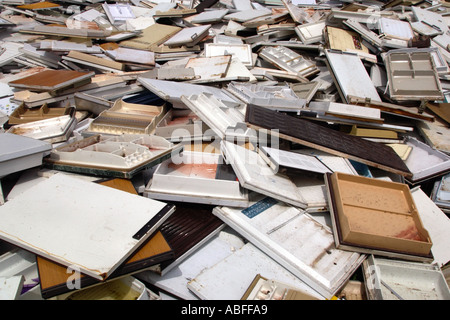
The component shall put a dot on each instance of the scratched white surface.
(77, 222)
(297, 241)
(230, 278)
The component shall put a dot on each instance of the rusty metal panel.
(326, 139)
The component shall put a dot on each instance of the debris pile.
(277, 150)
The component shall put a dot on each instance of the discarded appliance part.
(430, 18)
(20, 263)
(434, 134)
(188, 36)
(345, 40)
(255, 174)
(280, 158)
(118, 12)
(151, 37)
(20, 153)
(52, 80)
(412, 76)
(429, 282)
(289, 60)
(230, 278)
(52, 130)
(381, 218)
(305, 90)
(436, 222)
(439, 61)
(181, 125)
(227, 123)
(271, 289)
(247, 15)
(397, 29)
(266, 221)
(94, 61)
(346, 111)
(210, 68)
(129, 118)
(173, 91)
(390, 108)
(350, 76)
(34, 99)
(120, 156)
(312, 32)
(325, 139)
(129, 55)
(279, 97)
(367, 34)
(425, 162)
(440, 109)
(241, 51)
(190, 226)
(66, 46)
(266, 21)
(202, 256)
(174, 13)
(334, 163)
(67, 32)
(11, 287)
(42, 5)
(441, 193)
(25, 115)
(367, 17)
(126, 288)
(210, 16)
(53, 277)
(197, 177)
(81, 206)
(90, 103)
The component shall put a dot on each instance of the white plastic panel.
(122, 152)
(242, 52)
(391, 280)
(20, 152)
(255, 174)
(195, 177)
(424, 161)
(311, 32)
(296, 241)
(172, 91)
(229, 278)
(52, 130)
(280, 98)
(289, 60)
(87, 226)
(204, 257)
(188, 36)
(351, 75)
(224, 121)
(294, 160)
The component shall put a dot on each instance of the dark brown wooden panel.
(326, 139)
